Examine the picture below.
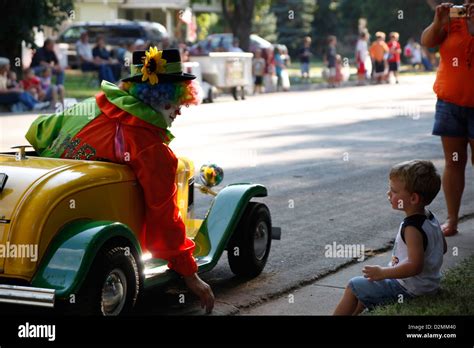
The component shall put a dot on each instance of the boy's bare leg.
(360, 307)
(348, 304)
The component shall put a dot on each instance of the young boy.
(330, 60)
(258, 70)
(378, 52)
(394, 58)
(52, 93)
(305, 58)
(418, 250)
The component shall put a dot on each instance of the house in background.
(166, 12)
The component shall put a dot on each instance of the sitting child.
(32, 84)
(418, 251)
(52, 93)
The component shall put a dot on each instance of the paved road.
(324, 155)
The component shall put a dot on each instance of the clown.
(129, 125)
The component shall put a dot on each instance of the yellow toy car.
(69, 232)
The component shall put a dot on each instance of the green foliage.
(207, 23)
(294, 21)
(18, 19)
(264, 21)
(408, 17)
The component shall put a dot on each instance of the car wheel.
(112, 285)
(249, 246)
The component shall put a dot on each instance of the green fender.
(71, 253)
(216, 229)
(222, 219)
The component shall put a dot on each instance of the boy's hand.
(373, 273)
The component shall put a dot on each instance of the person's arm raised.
(434, 34)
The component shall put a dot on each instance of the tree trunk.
(240, 16)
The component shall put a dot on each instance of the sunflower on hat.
(153, 65)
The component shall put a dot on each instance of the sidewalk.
(321, 297)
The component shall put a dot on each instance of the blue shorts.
(305, 68)
(373, 293)
(452, 120)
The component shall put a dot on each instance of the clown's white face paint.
(170, 112)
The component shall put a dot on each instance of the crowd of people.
(377, 62)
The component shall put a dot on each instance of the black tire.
(245, 259)
(111, 263)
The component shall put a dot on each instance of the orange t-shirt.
(378, 50)
(455, 79)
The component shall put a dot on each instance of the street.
(324, 156)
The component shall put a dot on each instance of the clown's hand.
(202, 290)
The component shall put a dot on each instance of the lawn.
(456, 296)
(80, 85)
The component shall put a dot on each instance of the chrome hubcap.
(114, 292)
(260, 240)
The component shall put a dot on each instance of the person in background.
(32, 84)
(425, 59)
(285, 77)
(15, 98)
(364, 63)
(52, 93)
(305, 58)
(235, 46)
(339, 75)
(330, 60)
(12, 80)
(413, 53)
(87, 61)
(279, 66)
(258, 71)
(102, 56)
(394, 53)
(378, 52)
(46, 57)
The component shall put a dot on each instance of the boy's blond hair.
(419, 177)
(395, 35)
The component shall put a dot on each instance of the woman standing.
(454, 119)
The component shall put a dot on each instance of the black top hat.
(168, 68)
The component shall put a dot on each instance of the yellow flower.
(153, 65)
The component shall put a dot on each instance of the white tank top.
(428, 280)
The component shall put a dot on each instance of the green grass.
(456, 296)
(79, 85)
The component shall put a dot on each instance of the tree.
(264, 22)
(239, 15)
(294, 19)
(19, 18)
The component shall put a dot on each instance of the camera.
(458, 12)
